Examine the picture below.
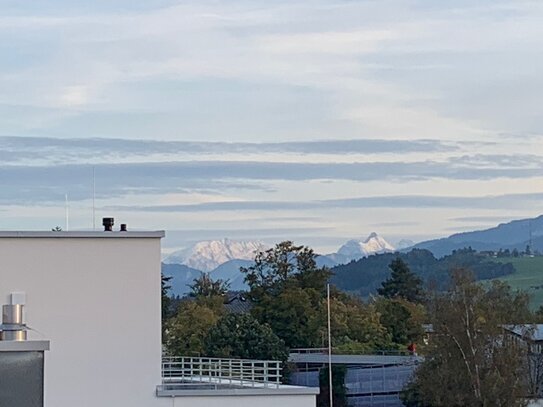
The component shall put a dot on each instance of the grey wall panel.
(21, 379)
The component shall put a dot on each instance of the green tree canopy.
(205, 286)
(402, 319)
(187, 330)
(402, 283)
(287, 288)
(285, 265)
(242, 336)
(166, 300)
(339, 395)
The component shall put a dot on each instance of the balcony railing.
(198, 372)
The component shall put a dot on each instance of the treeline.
(364, 276)
(287, 293)
(466, 351)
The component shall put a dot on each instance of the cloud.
(105, 59)
(43, 183)
(399, 201)
(301, 105)
(73, 96)
(104, 149)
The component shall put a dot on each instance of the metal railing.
(335, 351)
(185, 372)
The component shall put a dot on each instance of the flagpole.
(329, 348)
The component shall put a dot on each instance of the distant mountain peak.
(209, 254)
(356, 249)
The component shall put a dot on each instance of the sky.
(314, 121)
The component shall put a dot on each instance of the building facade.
(96, 297)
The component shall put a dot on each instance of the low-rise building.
(96, 297)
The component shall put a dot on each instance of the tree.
(285, 264)
(205, 286)
(402, 283)
(468, 355)
(293, 314)
(339, 395)
(287, 289)
(355, 325)
(189, 328)
(402, 319)
(166, 300)
(242, 336)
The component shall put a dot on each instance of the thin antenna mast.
(329, 349)
(66, 212)
(530, 235)
(93, 199)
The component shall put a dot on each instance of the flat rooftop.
(82, 234)
(379, 360)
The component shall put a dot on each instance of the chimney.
(108, 224)
(13, 327)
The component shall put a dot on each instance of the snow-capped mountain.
(208, 255)
(356, 249)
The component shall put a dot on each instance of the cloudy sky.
(316, 121)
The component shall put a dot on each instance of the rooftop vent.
(108, 224)
(13, 327)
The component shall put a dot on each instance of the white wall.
(98, 301)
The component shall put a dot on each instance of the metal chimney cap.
(108, 224)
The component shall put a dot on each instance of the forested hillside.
(365, 276)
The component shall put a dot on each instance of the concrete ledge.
(82, 234)
(24, 346)
(281, 391)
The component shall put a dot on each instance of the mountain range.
(210, 254)
(222, 259)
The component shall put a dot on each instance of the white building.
(96, 297)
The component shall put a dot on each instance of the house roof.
(238, 303)
(533, 332)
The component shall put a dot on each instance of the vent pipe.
(13, 327)
(108, 224)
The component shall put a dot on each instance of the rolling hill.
(512, 235)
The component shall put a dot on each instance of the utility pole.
(329, 349)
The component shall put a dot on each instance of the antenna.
(67, 213)
(93, 198)
(530, 234)
(330, 391)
